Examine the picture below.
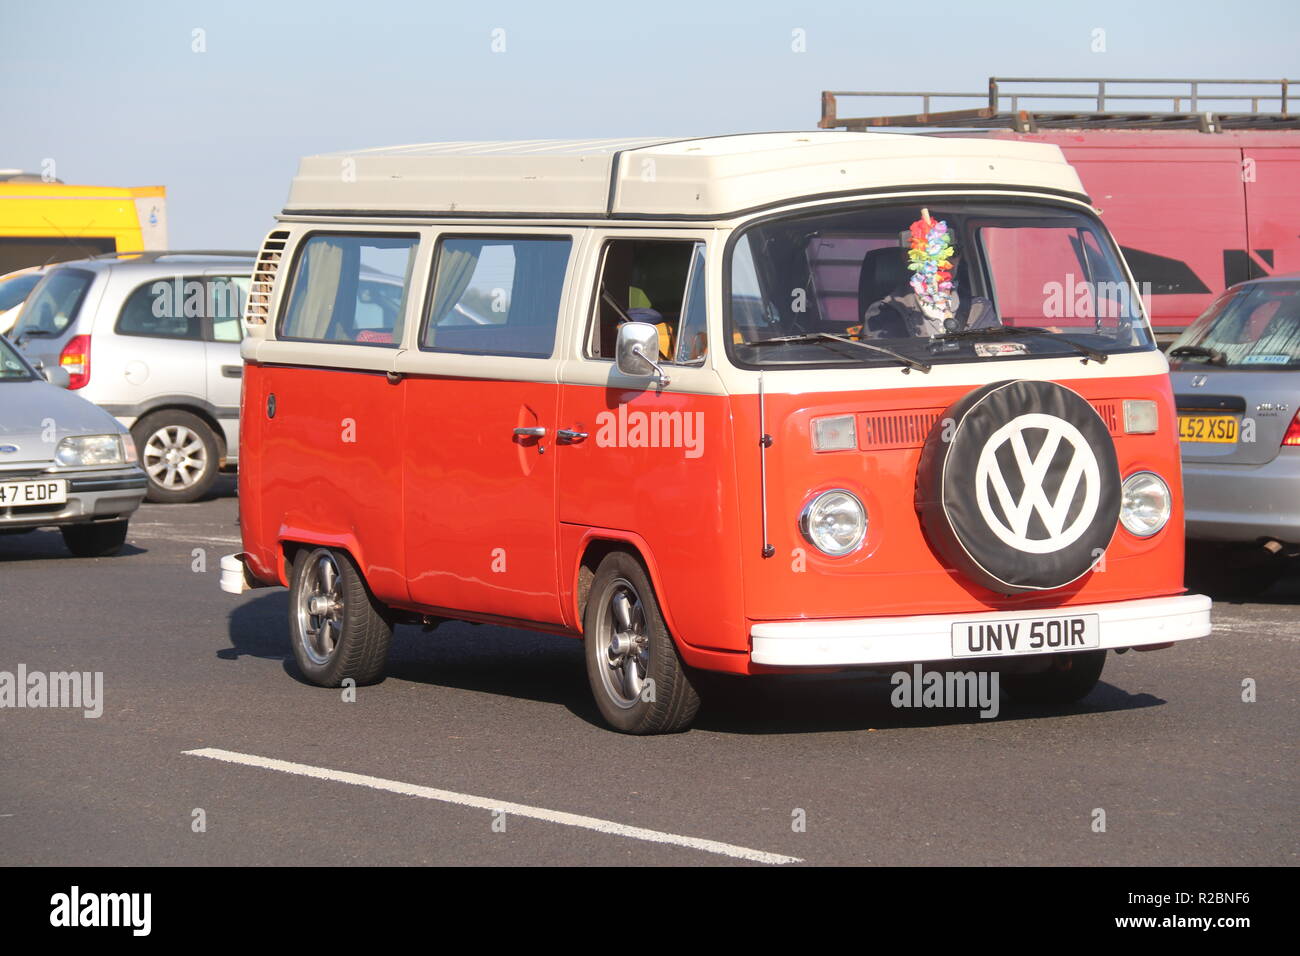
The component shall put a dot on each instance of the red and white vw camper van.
(749, 404)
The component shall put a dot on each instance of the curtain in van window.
(456, 262)
(539, 280)
(324, 268)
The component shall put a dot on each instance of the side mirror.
(636, 350)
(56, 376)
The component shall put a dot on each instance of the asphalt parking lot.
(483, 746)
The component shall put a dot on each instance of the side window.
(644, 280)
(170, 308)
(350, 288)
(497, 295)
(692, 336)
(228, 295)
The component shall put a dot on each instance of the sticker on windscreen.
(992, 349)
(1266, 360)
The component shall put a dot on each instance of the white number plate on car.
(1026, 635)
(15, 494)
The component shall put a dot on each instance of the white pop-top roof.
(705, 178)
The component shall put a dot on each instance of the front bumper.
(928, 637)
(1242, 503)
(92, 496)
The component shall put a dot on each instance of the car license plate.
(1025, 635)
(1221, 429)
(16, 494)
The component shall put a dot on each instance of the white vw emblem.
(1034, 498)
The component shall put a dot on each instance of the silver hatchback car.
(1236, 381)
(153, 338)
(63, 462)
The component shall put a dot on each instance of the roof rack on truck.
(1027, 104)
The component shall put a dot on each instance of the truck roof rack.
(154, 255)
(1210, 106)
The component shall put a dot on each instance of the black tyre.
(95, 540)
(1067, 679)
(179, 453)
(337, 628)
(640, 683)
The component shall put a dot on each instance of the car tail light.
(1292, 436)
(75, 360)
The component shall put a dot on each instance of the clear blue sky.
(115, 94)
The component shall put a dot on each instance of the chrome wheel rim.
(175, 457)
(318, 607)
(622, 645)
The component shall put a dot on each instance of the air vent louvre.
(258, 311)
(901, 429)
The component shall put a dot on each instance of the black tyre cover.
(1018, 486)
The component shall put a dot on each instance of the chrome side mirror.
(56, 376)
(636, 350)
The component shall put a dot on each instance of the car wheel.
(1067, 678)
(338, 629)
(178, 452)
(640, 684)
(94, 540)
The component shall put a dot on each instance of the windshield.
(12, 368)
(948, 288)
(14, 290)
(1253, 327)
(54, 303)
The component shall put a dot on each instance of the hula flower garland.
(930, 259)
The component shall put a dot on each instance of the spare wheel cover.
(1018, 487)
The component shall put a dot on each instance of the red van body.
(462, 482)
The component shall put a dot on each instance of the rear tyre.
(640, 684)
(338, 629)
(178, 452)
(94, 540)
(1067, 679)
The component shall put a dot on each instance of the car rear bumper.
(928, 637)
(1244, 502)
(92, 496)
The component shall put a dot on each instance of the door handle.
(568, 436)
(537, 432)
(232, 371)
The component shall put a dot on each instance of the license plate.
(1220, 429)
(16, 494)
(1036, 635)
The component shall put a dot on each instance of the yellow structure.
(44, 222)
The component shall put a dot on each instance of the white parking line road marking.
(483, 803)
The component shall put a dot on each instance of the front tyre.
(94, 540)
(1068, 678)
(640, 684)
(338, 629)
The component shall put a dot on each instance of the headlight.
(90, 450)
(1146, 504)
(834, 522)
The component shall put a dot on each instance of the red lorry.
(1200, 195)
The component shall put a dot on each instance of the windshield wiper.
(1098, 357)
(1199, 351)
(824, 338)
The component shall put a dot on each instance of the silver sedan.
(64, 463)
(1236, 381)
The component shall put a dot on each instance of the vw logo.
(1053, 506)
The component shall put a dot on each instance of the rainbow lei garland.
(930, 259)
